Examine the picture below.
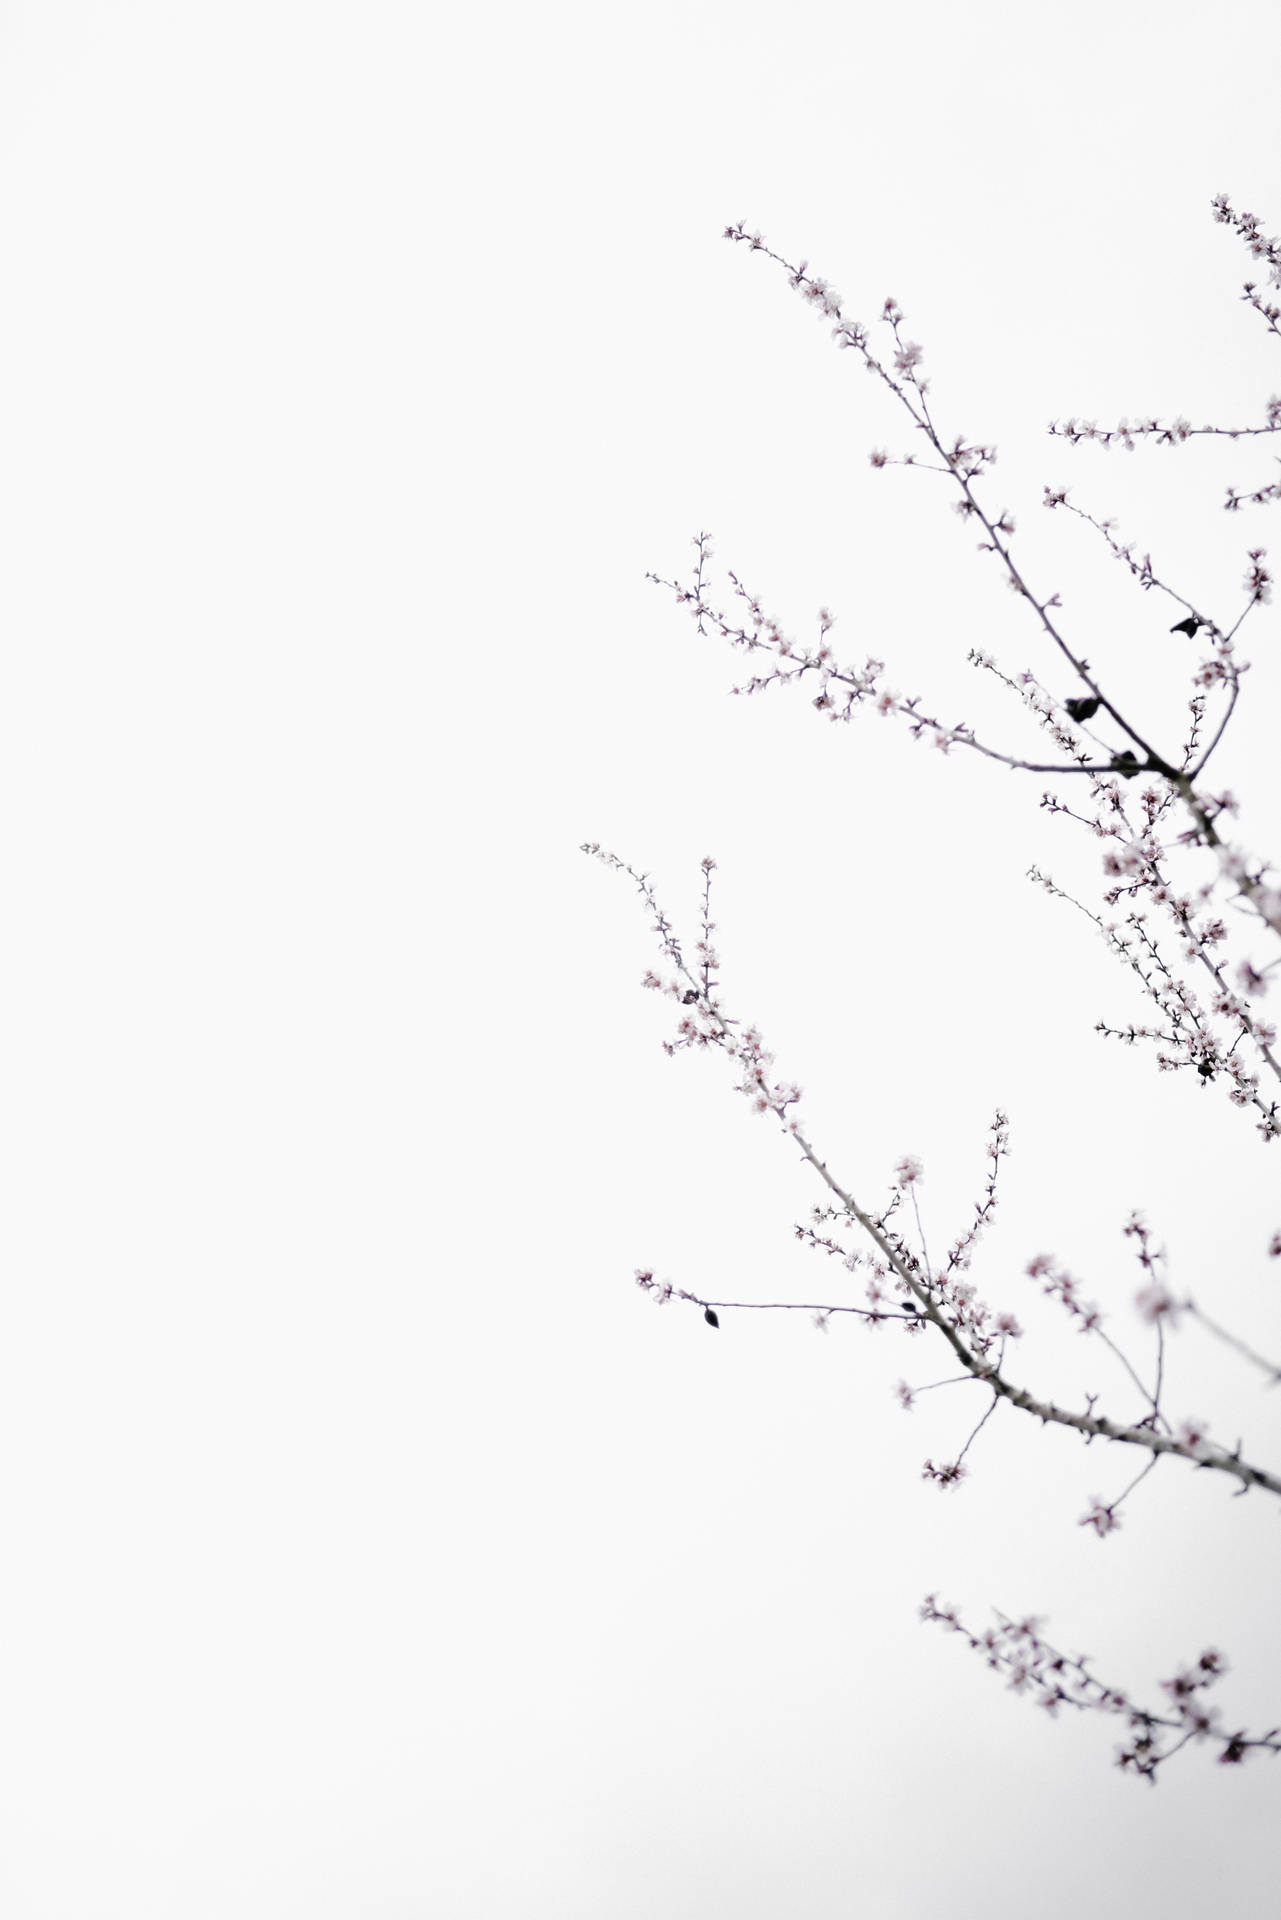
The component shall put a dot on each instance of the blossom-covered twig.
(1170, 433)
(1018, 1649)
(839, 689)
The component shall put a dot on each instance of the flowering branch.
(1137, 859)
(1018, 1648)
(1224, 1038)
(945, 1302)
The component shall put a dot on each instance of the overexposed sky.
(373, 1547)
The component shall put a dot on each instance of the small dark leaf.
(710, 1317)
(1083, 709)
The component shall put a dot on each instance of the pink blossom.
(1100, 1517)
(1155, 1302)
(950, 1474)
(1252, 983)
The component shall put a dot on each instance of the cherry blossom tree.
(1189, 911)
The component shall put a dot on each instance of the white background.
(371, 1545)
